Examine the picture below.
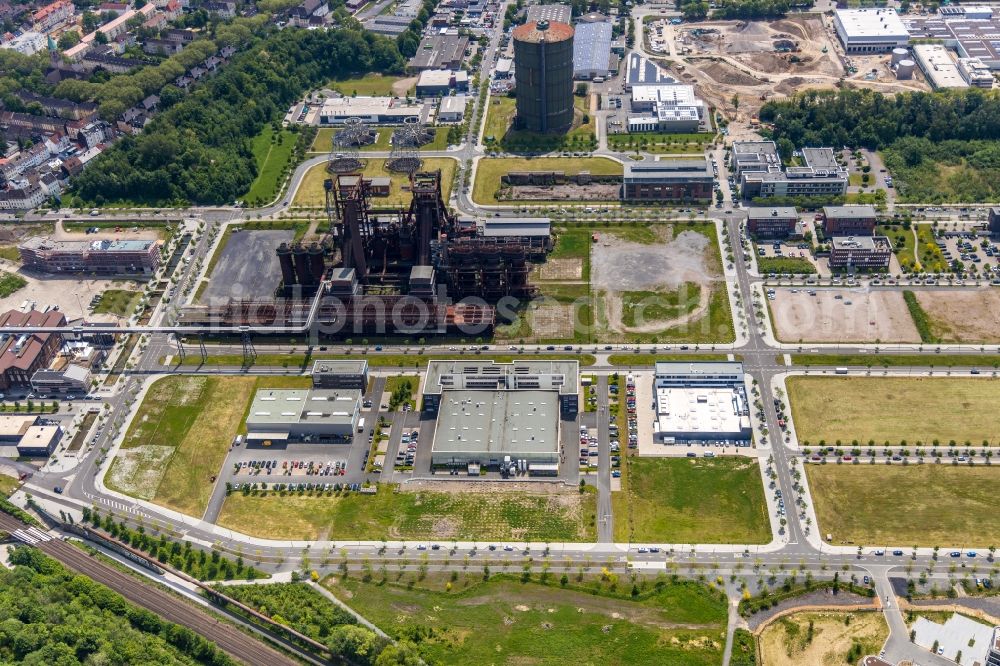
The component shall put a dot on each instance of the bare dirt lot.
(560, 269)
(963, 315)
(619, 266)
(550, 320)
(858, 315)
(567, 192)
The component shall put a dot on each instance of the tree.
(68, 39)
(402, 653)
(354, 643)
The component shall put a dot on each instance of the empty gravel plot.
(248, 267)
(841, 315)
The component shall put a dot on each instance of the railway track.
(227, 637)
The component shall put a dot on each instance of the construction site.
(417, 269)
(753, 61)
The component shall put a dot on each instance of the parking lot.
(973, 251)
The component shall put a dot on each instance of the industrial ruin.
(415, 270)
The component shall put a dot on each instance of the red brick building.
(22, 354)
(773, 222)
(857, 220)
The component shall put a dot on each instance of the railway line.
(227, 637)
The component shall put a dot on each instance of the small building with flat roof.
(772, 222)
(864, 253)
(496, 428)
(340, 374)
(850, 220)
(640, 71)
(304, 415)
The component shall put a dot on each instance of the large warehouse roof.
(871, 22)
(562, 376)
(557, 13)
(592, 49)
(293, 406)
(497, 423)
(641, 71)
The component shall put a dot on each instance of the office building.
(340, 375)
(100, 257)
(852, 220)
(442, 82)
(376, 110)
(975, 73)
(666, 108)
(993, 653)
(700, 402)
(773, 222)
(452, 109)
(23, 354)
(543, 56)
(592, 51)
(870, 30)
(864, 253)
(71, 372)
(994, 220)
(439, 52)
(28, 436)
(679, 180)
(758, 167)
(560, 377)
(300, 415)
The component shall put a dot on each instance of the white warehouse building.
(870, 30)
(701, 402)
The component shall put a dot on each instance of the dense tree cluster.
(864, 118)
(755, 9)
(199, 149)
(302, 608)
(409, 40)
(52, 617)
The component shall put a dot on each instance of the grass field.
(685, 500)
(311, 193)
(509, 622)
(178, 439)
(8, 485)
(119, 302)
(822, 638)
(895, 360)
(272, 155)
(9, 283)
(369, 85)
(925, 505)
(498, 132)
(650, 359)
(484, 514)
(655, 142)
(642, 307)
(795, 265)
(393, 384)
(383, 140)
(903, 243)
(490, 170)
(894, 409)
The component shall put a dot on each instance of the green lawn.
(407, 388)
(902, 243)
(311, 192)
(8, 485)
(489, 171)
(178, 439)
(894, 409)
(498, 133)
(795, 265)
(477, 514)
(655, 142)
(369, 85)
(650, 359)
(983, 361)
(644, 307)
(272, 154)
(383, 140)
(924, 505)
(9, 283)
(509, 622)
(691, 500)
(119, 302)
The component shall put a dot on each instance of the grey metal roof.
(292, 406)
(694, 369)
(772, 211)
(591, 48)
(859, 211)
(346, 367)
(641, 71)
(557, 13)
(563, 376)
(497, 423)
